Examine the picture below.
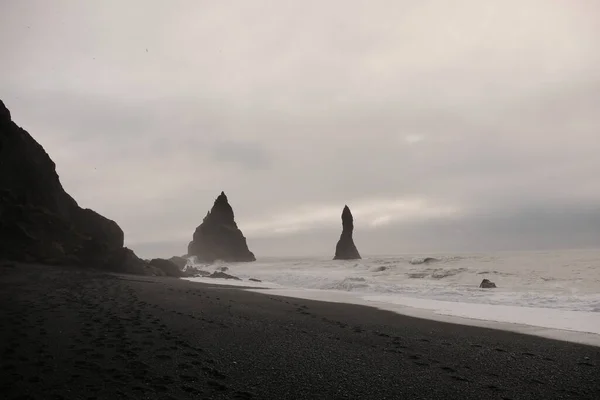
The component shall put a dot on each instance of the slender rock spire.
(345, 248)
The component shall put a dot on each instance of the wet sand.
(75, 334)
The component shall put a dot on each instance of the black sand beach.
(75, 334)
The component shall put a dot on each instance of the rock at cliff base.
(124, 260)
(181, 262)
(345, 248)
(218, 237)
(167, 267)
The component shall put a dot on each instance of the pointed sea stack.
(345, 249)
(218, 237)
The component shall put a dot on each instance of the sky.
(463, 126)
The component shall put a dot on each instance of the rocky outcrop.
(487, 284)
(196, 273)
(181, 262)
(125, 261)
(167, 267)
(345, 248)
(223, 275)
(218, 237)
(40, 222)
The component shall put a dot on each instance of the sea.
(547, 293)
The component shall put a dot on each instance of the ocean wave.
(437, 273)
(445, 273)
(379, 269)
(486, 272)
(437, 259)
(426, 260)
(348, 284)
(552, 280)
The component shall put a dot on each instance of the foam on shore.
(573, 326)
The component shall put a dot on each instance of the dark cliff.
(40, 222)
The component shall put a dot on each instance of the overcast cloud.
(461, 125)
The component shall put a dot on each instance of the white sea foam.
(551, 290)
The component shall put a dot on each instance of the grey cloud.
(245, 154)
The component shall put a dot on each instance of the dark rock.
(345, 248)
(194, 272)
(218, 237)
(223, 275)
(169, 268)
(4, 113)
(39, 221)
(254, 280)
(487, 284)
(223, 269)
(124, 260)
(181, 262)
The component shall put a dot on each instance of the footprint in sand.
(586, 364)
(159, 388)
(188, 378)
(459, 378)
(217, 385)
(242, 395)
(190, 389)
(493, 388)
(215, 373)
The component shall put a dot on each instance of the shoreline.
(574, 336)
(71, 333)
